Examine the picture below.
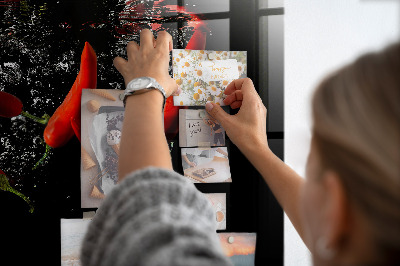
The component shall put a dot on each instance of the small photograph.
(102, 115)
(203, 75)
(206, 165)
(72, 234)
(239, 247)
(218, 201)
(198, 129)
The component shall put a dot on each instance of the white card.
(219, 70)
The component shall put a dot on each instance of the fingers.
(245, 85)
(146, 40)
(218, 113)
(177, 92)
(120, 64)
(236, 105)
(131, 48)
(234, 99)
(164, 41)
(240, 92)
(171, 88)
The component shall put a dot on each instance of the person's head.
(351, 198)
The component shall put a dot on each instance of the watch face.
(140, 83)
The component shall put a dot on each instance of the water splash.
(40, 55)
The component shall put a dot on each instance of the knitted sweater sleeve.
(153, 217)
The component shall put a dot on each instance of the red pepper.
(10, 105)
(76, 126)
(59, 129)
(198, 39)
(171, 123)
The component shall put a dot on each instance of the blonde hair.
(356, 113)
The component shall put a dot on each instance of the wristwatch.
(141, 85)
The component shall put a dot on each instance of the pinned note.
(217, 70)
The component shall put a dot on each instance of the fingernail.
(209, 106)
(179, 90)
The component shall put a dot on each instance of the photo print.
(240, 248)
(206, 165)
(218, 201)
(102, 114)
(203, 75)
(198, 129)
(72, 233)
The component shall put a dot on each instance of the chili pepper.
(171, 118)
(59, 129)
(198, 39)
(5, 186)
(76, 126)
(11, 106)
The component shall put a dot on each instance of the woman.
(218, 131)
(346, 211)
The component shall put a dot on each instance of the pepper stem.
(46, 153)
(5, 186)
(45, 118)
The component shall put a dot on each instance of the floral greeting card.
(203, 75)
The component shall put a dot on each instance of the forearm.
(284, 183)
(185, 158)
(222, 152)
(143, 141)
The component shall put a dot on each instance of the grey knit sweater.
(153, 217)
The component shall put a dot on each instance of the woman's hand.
(247, 129)
(150, 59)
(192, 164)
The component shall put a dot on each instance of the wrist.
(142, 85)
(255, 148)
(152, 99)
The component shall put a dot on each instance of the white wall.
(320, 36)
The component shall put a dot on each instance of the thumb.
(218, 113)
